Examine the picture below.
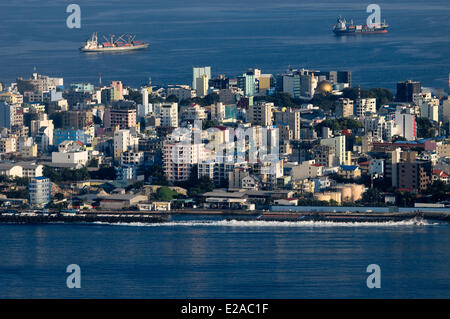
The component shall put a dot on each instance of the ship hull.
(357, 32)
(116, 49)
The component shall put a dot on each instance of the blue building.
(126, 172)
(71, 134)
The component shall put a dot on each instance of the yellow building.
(349, 171)
(327, 196)
(11, 98)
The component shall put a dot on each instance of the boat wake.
(259, 223)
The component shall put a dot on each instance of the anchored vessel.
(111, 45)
(342, 27)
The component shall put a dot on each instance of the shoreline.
(161, 217)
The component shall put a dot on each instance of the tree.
(382, 95)
(103, 173)
(281, 99)
(339, 124)
(208, 124)
(425, 128)
(439, 191)
(325, 101)
(172, 98)
(66, 174)
(405, 199)
(157, 173)
(59, 196)
(134, 95)
(165, 194)
(372, 197)
(93, 162)
(57, 118)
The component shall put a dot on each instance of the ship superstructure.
(111, 45)
(342, 27)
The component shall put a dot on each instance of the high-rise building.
(198, 72)
(261, 113)
(300, 83)
(38, 84)
(10, 115)
(410, 173)
(39, 190)
(220, 83)
(344, 108)
(168, 113)
(124, 118)
(117, 90)
(338, 143)
(202, 85)
(265, 83)
(77, 119)
(406, 90)
(124, 141)
(406, 125)
(363, 106)
(179, 158)
(344, 77)
(144, 93)
(246, 82)
(291, 118)
(325, 155)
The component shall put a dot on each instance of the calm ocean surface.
(228, 35)
(224, 259)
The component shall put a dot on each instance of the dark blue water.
(228, 35)
(226, 260)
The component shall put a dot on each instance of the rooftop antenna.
(359, 92)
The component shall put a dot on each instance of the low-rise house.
(349, 171)
(121, 201)
(154, 206)
(286, 202)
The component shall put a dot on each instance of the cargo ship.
(111, 45)
(342, 27)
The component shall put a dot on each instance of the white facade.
(39, 190)
(307, 169)
(124, 141)
(179, 157)
(406, 125)
(194, 112)
(363, 106)
(198, 72)
(133, 158)
(168, 113)
(77, 157)
(338, 143)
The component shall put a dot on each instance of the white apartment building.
(344, 108)
(124, 140)
(363, 106)
(39, 190)
(307, 169)
(194, 112)
(261, 113)
(132, 158)
(168, 113)
(406, 125)
(338, 143)
(70, 152)
(179, 156)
